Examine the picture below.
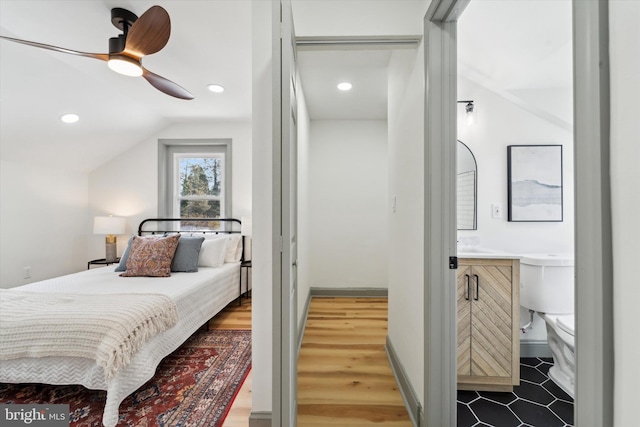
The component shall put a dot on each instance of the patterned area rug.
(193, 386)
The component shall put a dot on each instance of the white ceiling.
(210, 43)
(512, 47)
(366, 70)
(520, 50)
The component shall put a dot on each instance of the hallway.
(344, 376)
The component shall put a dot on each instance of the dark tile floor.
(536, 402)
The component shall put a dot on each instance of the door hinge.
(281, 244)
(453, 263)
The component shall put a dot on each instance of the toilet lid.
(566, 323)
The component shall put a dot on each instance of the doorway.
(594, 403)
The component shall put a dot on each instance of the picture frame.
(535, 183)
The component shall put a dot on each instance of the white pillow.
(234, 248)
(212, 253)
(239, 250)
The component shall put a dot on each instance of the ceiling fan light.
(125, 66)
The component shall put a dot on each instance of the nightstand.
(101, 261)
(247, 265)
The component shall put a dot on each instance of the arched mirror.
(467, 186)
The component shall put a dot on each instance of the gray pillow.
(186, 257)
(123, 260)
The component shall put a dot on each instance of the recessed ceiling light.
(69, 118)
(215, 88)
(344, 86)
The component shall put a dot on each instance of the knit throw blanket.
(108, 328)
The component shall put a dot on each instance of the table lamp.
(111, 226)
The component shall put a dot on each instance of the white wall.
(348, 203)
(43, 222)
(624, 21)
(406, 223)
(262, 199)
(128, 184)
(499, 123)
(304, 211)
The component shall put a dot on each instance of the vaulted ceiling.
(514, 47)
(210, 43)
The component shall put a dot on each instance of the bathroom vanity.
(488, 345)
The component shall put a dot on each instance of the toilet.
(547, 287)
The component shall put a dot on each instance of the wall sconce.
(111, 226)
(469, 109)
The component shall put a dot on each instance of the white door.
(289, 223)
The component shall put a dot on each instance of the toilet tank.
(547, 283)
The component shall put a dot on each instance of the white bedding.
(198, 297)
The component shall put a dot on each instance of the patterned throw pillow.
(151, 256)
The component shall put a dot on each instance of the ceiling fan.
(141, 36)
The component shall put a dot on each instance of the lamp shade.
(108, 225)
(246, 227)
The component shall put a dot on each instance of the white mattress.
(198, 297)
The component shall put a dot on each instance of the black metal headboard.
(190, 225)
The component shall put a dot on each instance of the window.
(200, 186)
(194, 179)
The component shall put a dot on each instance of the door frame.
(284, 371)
(440, 329)
(593, 236)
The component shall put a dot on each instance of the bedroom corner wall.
(348, 216)
(128, 184)
(406, 220)
(43, 222)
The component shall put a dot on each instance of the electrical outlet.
(27, 272)
(496, 210)
(393, 204)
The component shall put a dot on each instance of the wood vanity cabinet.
(488, 324)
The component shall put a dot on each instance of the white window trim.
(169, 149)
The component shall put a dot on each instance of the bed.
(198, 296)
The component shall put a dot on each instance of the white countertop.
(485, 254)
(540, 259)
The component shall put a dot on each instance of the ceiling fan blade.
(166, 86)
(100, 56)
(149, 33)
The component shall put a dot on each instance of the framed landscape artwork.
(535, 182)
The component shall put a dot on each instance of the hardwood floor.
(237, 317)
(344, 376)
